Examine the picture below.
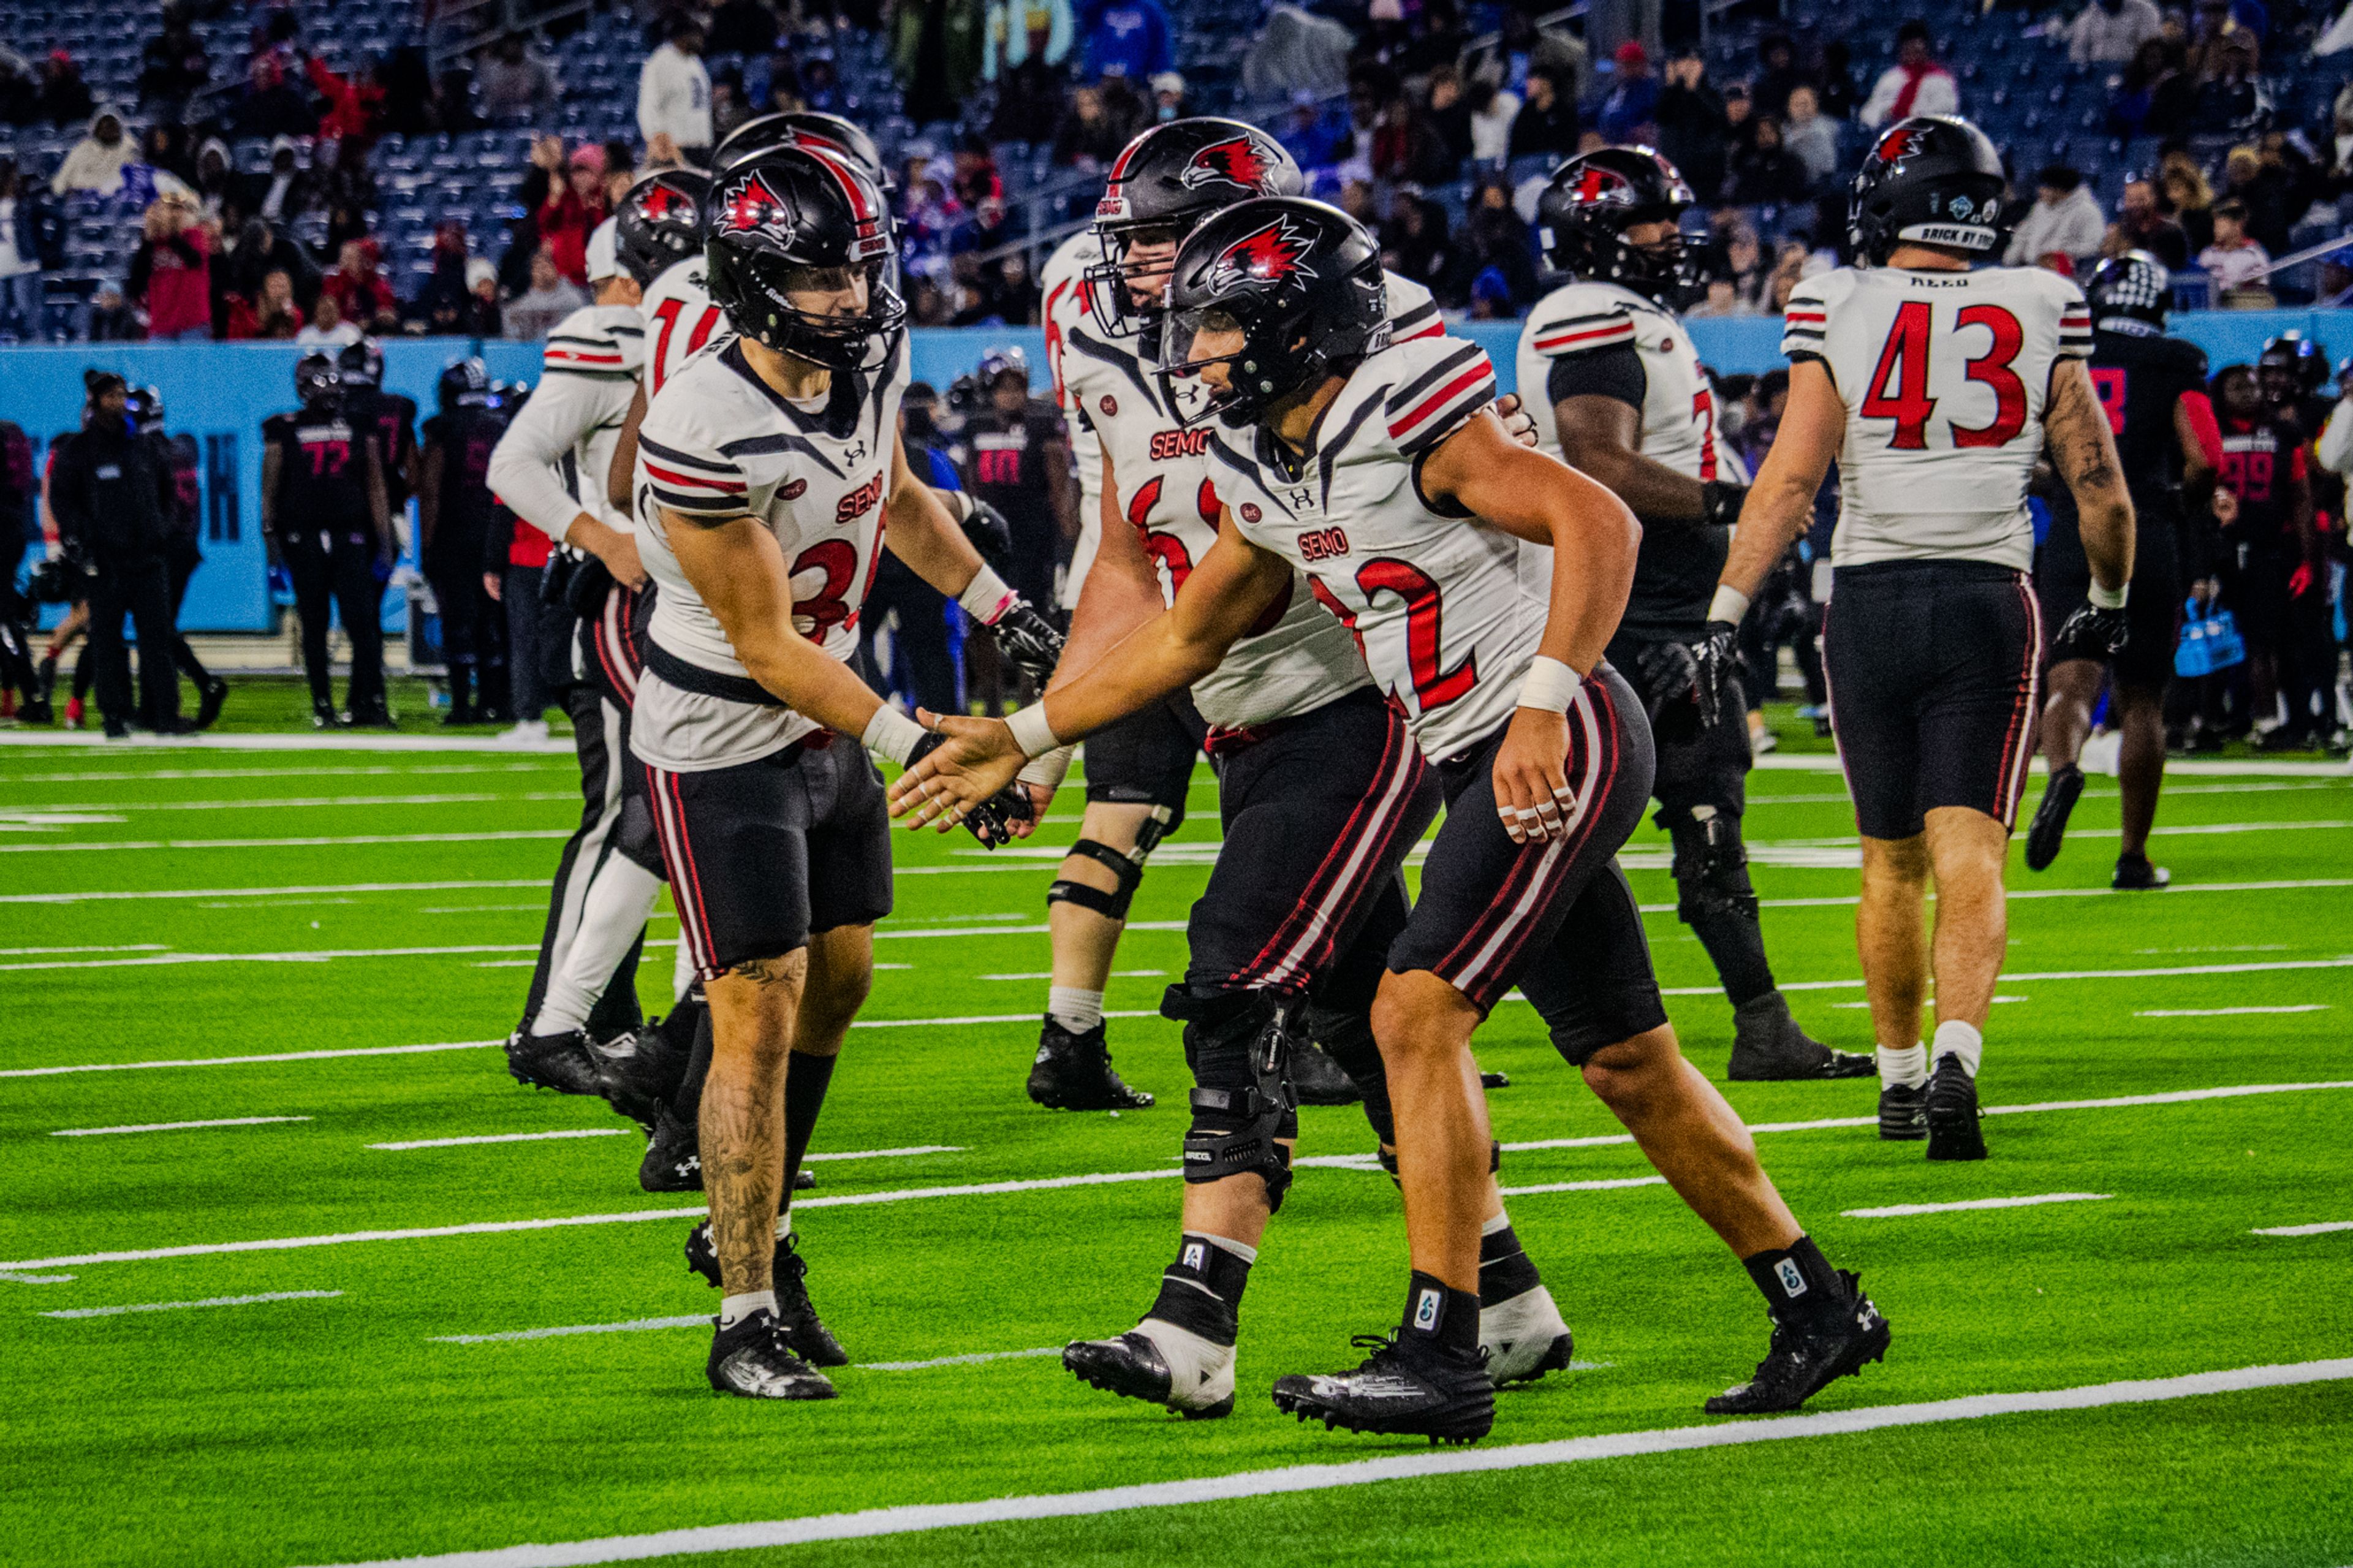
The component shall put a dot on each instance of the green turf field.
(184, 906)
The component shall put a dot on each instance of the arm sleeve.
(523, 465)
(1614, 372)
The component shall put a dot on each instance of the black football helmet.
(318, 382)
(804, 127)
(465, 383)
(1593, 199)
(1001, 362)
(144, 408)
(1302, 281)
(362, 364)
(1934, 179)
(2292, 366)
(2134, 287)
(660, 223)
(1164, 184)
(778, 218)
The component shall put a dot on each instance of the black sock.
(1505, 1269)
(688, 1106)
(1797, 1281)
(1201, 1292)
(1736, 945)
(805, 1077)
(1436, 1313)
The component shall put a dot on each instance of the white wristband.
(1030, 730)
(891, 734)
(986, 597)
(1047, 771)
(1549, 685)
(2109, 598)
(1729, 604)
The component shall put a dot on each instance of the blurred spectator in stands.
(1414, 239)
(742, 27)
(926, 305)
(1316, 135)
(215, 175)
(112, 319)
(936, 51)
(2189, 197)
(1494, 236)
(1125, 38)
(20, 88)
(32, 237)
(453, 101)
(165, 149)
(1811, 136)
(361, 288)
(1781, 75)
(1547, 124)
(566, 199)
(1031, 94)
(1720, 299)
(441, 303)
(173, 65)
(1020, 32)
(1764, 172)
(482, 314)
(95, 163)
(1914, 84)
(2229, 96)
(327, 331)
(1296, 52)
(1170, 99)
(1737, 256)
(1519, 45)
(550, 298)
(1449, 111)
(1839, 97)
(272, 312)
(728, 108)
(2235, 257)
(271, 106)
(1693, 126)
(2066, 219)
(1632, 102)
(674, 99)
(821, 85)
(262, 249)
(517, 81)
(1491, 297)
(1404, 145)
(2141, 225)
(65, 97)
(1091, 138)
(1013, 292)
(355, 103)
(2263, 190)
(1491, 110)
(2157, 89)
(285, 192)
(2111, 32)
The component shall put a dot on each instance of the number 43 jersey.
(1944, 376)
(1435, 599)
(718, 443)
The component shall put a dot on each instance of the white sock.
(1955, 1038)
(1076, 1010)
(611, 915)
(1228, 1244)
(735, 1309)
(1500, 1222)
(1907, 1069)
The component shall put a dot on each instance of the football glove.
(1029, 640)
(1720, 503)
(1671, 689)
(990, 534)
(992, 820)
(1718, 654)
(2090, 633)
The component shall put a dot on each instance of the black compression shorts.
(1146, 759)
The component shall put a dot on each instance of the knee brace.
(1711, 866)
(1127, 868)
(1239, 1048)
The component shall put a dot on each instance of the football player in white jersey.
(766, 470)
(1320, 792)
(1937, 388)
(610, 871)
(1067, 291)
(1625, 399)
(1378, 472)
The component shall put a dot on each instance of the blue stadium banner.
(221, 392)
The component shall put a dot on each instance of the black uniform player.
(2153, 389)
(325, 518)
(2269, 546)
(389, 416)
(456, 513)
(1017, 459)
(183, 540)
(1626, 401)
(2291, 375)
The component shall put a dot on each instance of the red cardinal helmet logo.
(1594, 184)
(753, 205)
(1237, 160)
(1897, 145)
(1268, 255)
(659, 201)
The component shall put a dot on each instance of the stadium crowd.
(1437, 136)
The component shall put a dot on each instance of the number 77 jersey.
(1945, 377)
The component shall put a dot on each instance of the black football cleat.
(209, 700)
(673, 1161)
(642, 1071)
(1769, 1046)
(2049, 824)
(1073, 1072)
(1317, 1079)
(754, 1359)
(811, 1339)
(1803, 1360)
(1159, 1363)
(1433, 1392)
(564, 1063)
(1952, 1112)
(1903, 1112)
(2136, 874)
(1495, 1080)
(324, 717)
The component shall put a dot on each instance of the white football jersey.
(1066, 306)
(573, 421)
(680, 321)
(1678, 410)
(1168, 495)
(718, 442)
(1436, 601)
(1944, 376)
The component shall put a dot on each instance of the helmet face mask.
(1164, 184)
(465, 383)
(789, 226)
(318, 382)
(362, 364)
(1593, 202)
(2129, 292)
(1934, 180)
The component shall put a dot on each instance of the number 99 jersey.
(1944, 376)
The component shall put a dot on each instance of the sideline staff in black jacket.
(110, 491)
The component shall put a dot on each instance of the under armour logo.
(1425, 1311)
(1793, 1283)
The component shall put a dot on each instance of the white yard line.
(506, 1138)
(123, 947)
(184, 1306)
(242, 1061)
(972, 1359)
(908, 1153)
(2227, 1011)
(1899, 1211)
(2322, 1229)
(174, 1126)
(290, 843)
(1420, 1464)
(112, 895)
(1584, 1187)
(2344, 962)
(317, 955)
(353, 741)
(1048, 974)
(636, 1326)
(479, 798)
(421, 769)
(37, 1278)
